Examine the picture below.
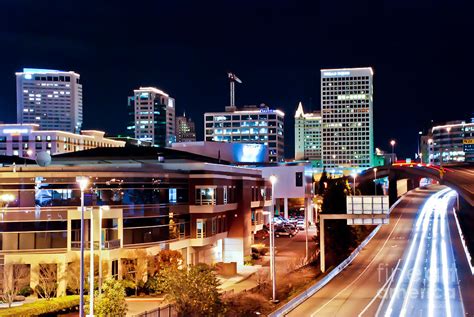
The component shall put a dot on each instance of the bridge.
(459, 177)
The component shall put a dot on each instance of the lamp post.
(392, 143)
(354, 176)
(91, 265)
(83, 182)
(375, 181)
(420, 133)
(449, 144)
(101, 211)
(273, 180)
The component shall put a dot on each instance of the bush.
(246, 304)
(111, 302)
(43, 306)
(26, 291)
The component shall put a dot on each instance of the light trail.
(432, 260)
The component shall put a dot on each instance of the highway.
(376, 281)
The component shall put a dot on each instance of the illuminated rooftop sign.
(338, 73)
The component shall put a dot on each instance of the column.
(285, 201)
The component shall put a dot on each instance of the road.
(359, 289)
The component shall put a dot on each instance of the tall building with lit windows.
(308, 136)
(152, 114)
(185, 129)
(252, 124)
(50, 98)
(347, 118)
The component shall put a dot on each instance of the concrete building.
(150, 199)
(294, 180)
(26, 140)
(452, 142)
(308, 136)
(152, 116)
(227, 152)
(185, 129)
(50, 98)
(427, 149)
(251, 124)
(347, 118)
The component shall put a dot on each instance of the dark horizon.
(419, 52)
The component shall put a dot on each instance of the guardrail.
(166, 311)
(294, 302)
(106, 245)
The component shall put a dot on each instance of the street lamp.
(83, 182)
(418, 143)
(375, 181)
(392, 143)
(273, 180)
(354, 176)
(430, 155)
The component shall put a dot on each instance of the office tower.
(347, 118)
(185, 129)
(152, 114)
(50, 98)
(251, 124)
(308, 135)
(453, 142)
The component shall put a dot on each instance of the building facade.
(308, 136)
(207, 212)
(251, 124)
(347, 118)
(50, 98)
(26, 140)
(185, 129)
(453, 142)
(152, 116)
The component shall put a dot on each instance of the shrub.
(246, 304)
(26, 291)
(111, 302)
(43, 306)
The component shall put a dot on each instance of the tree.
(47, 280)
(135, 269)
(111, 302)
(15, 278)
(194, 290)
(74, 271)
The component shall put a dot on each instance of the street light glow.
(392, 143)
(83, 181)
(7, 198)
(273, 179)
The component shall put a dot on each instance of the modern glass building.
(251, 124)
(137, 198)
(347, 118)
(185, 129)
(308, 136)
(152, 116)
(50, 98)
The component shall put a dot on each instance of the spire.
(299, 111)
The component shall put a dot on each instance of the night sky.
(421, 52)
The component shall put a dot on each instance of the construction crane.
(233, 78)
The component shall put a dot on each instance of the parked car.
(291, 226)
(282, 231)
(262, 234)
(300, 224)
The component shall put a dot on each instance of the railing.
(165, 311)
(106, 245)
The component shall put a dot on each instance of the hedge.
(42, 306)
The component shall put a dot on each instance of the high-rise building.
(50, 98)
(308, 135)
(251, 124)
(185, 129)
(152, 114)
(453, 142)
(347, 118)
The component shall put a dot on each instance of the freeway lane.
(351, 292)
(426, 283)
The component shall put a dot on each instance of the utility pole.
(232, 79)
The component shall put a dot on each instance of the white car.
(300, 224)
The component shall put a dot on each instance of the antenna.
(232, 79)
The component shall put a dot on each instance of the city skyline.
(280, 74)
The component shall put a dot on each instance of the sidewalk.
(240, 282)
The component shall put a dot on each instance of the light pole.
(430, 154)
(420, 133)
(392, 143)
(83, 182)
(91, 265)
(273, 180)
(375, 181)
(101, 210)
(354, 176)
(449, 144)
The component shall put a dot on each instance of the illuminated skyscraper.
(185, 129)
(152, 114)
(347, 118)
(308, 135)
(50, 98)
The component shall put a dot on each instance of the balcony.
(209, 209)
(106, 245)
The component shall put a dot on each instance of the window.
(172, 195)
(299, 179)
(206, 196)
(214, 225)
(225, 195)
(115, 269)
(200, 228)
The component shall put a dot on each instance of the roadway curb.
(310, 291)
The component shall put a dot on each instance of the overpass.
(459, 177)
